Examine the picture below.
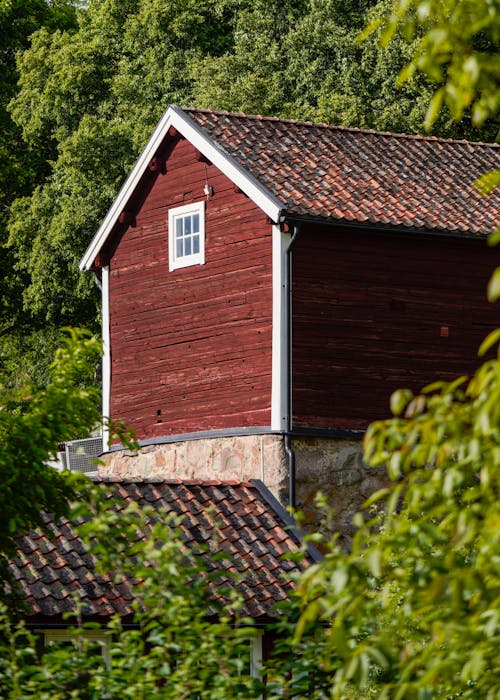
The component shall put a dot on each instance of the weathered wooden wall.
(191, 349)
(373, 312)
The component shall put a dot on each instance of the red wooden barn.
(266, 285)
(274, 280)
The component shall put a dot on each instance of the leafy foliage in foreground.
(415, 606)
(456, 47)
(32, 424)
(183, 644)
(411, 612)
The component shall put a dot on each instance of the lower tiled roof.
(53, 567)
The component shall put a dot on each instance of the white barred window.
(186, 235)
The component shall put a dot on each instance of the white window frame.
(175, 262)
(256, 655)
(254, 658)
(101, 637)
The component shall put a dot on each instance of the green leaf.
(375, 562)
(491, 339)
(369, 29)
(377, 656)
(399, 401)
(394, 466)
(339, 637)
(434, 108)
(375, 498)
(488, 182)
(494, 286)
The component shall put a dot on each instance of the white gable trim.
(187, 127)
(264, 199)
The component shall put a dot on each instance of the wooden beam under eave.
(127, 217)
(201, 158)
(101, 260)
(158, 165)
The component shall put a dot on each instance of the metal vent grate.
(81, 455)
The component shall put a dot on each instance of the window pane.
(178, 251)
(178, 227)
(187, 225)
(196, 244)
(187, 246)
(196, 223)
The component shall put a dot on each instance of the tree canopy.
(21, 168)
(92, 84)
(456, 46)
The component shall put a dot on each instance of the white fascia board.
(247, 183)
(126, 191)
(187, 127)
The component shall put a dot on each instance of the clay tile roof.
(243, 518)
(357, 175)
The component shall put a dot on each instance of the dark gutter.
(332, 433)
(98, 279)
(201, 435)
(339, 433)
(299, 220)
(41, 623)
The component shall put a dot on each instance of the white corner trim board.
(279, 334)
(187, 127)
(106, 358)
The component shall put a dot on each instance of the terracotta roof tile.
(235, 517)
(357, 175)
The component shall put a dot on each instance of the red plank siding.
(191, 349)
(373, 312)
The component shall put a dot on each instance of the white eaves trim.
(187, 127)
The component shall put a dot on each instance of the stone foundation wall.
(237, 458)
(336, 469)
(333, 467)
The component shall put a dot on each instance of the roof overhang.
(187, 127)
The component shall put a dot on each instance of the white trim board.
(106, 358)
(187, 127)
(279, 333)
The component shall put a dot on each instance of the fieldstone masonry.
(332, 466)
(226, 458)
(336, 469)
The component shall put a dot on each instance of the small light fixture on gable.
(208, 190)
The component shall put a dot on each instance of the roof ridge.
(339, 127)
